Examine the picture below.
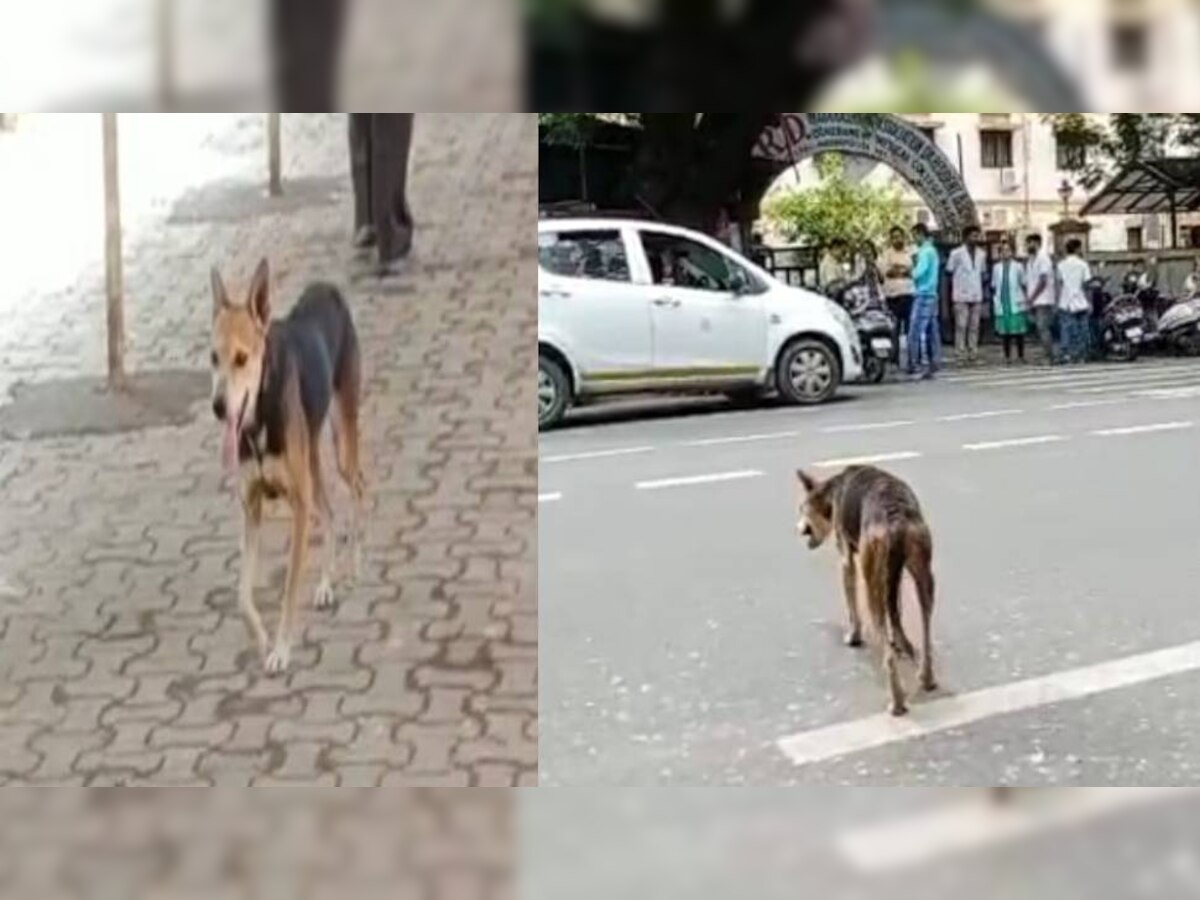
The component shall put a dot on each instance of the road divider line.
(867, 426)
(1085, 404)
(740, 439)
(1142, 429)
(1172, 393)
(974, 824)
(1127, 387)
(549, 498)
(866, 460)
(934, 716)
(1016, 442)
(696, 479)
(987, 414)
(595, 454)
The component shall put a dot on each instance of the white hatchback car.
(627, 306)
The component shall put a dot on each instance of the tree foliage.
(835, 208)
(1123, 138)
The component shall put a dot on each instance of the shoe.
(393, 268)
(364, 237)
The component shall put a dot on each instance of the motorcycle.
(1119, 323)
(876, 327)
(1179, 327)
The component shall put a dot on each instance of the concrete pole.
(273, 153)
(113, 286)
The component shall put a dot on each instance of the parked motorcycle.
(875, 324)
(1119, 323)
(1179, 327)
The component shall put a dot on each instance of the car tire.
(554, 392)
(808, 372)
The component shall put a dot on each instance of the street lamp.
(1065, 190)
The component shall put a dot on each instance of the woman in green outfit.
(1009, 305)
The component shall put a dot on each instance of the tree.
(1124, 138)
(835, 208)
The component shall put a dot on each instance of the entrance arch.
(884, 138)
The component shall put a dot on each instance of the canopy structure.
(1151, 186)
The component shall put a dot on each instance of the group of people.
(1027, 296)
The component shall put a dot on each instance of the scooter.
(875, 325)
(1119, 322)
(1179, 327)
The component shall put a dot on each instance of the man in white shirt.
(1039, 282)
(1073, 303)
(966, 265)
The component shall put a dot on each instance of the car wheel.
(808, 372)
(554, 392)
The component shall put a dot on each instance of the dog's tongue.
(229, 444)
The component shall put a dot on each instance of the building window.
(1130, 46)
(1133, 238)
(1070, 157)
(996, 149)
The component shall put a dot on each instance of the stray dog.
(880, 532)
(273, 386)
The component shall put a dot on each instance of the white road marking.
(988, 414)
(1083, 404)
(942, 714)
(696, 479)
(549, 498)
(866, 460)
(1178, 393)
(974, 824)
(1125, 387)
(1016, 442)
(868, 426)
(595, 454)
(1143, 429)
(740, 439)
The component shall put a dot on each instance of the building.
(1015, 170)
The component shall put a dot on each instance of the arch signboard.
(884, 138)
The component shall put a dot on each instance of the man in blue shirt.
(924, 329)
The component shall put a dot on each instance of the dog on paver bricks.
(274, 384)
(880, 531)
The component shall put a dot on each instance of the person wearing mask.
(897, 267)
(966, 265)
(1009, 302)
(834, 265)
(924, 330)
(1039, 287)
(1073, 304)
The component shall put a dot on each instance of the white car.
(627, 306)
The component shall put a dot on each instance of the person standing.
(897, 267)
(1191, 284)
(1009, 303)
(834, 266)
(1073, 303)
(379, 148)
(305, 43)
(924, 330)
(1039, 286)
(966, 265)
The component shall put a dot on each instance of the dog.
(879, 528)
(274, 385)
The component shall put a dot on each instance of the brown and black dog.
(881, 532)
(274, 385)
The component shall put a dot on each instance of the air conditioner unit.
(1009, 180)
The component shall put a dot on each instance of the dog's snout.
(218, 406)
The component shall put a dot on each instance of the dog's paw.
(897, 708)
(323, 596)
(929, 684)
(853, 639)
(277, 660)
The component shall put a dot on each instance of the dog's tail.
(897, 555)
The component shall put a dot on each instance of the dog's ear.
(806, 481)
(259, 303)
(220, 298)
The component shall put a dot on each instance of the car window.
(584, 254)
(682, 262)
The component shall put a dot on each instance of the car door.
(706, 309)
(588, 301)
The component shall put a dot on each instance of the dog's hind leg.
(895, 572)
(850, 590)
(345, 440)
(251, 525)
(875, 570)
(323, 596)
(923, 576)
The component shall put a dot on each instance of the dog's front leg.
(277, 660)
(251, 525)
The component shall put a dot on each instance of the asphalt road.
(688, 638)
(843, 843)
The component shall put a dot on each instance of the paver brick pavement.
(123, 657)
